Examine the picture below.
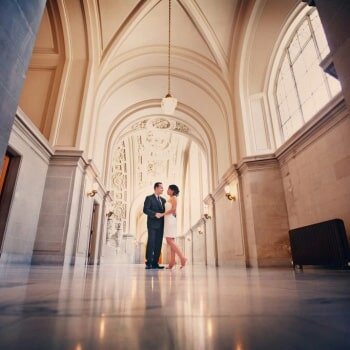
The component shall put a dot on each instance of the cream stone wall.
(210, 244)
(316, 175)
(187, 247)
(199, 245)
(265, 213)
(59, 210)
(229, 229)
(24, 212)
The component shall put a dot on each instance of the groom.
(153, 207)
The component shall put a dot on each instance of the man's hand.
(158, 215)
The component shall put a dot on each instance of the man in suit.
(153, 207)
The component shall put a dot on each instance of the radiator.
(324, 243)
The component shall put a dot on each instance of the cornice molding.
(68, 157)
(28, 132)
(92, 166)
(230, 175)
(257, 163)
(325, 119)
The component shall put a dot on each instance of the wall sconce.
(200, 232)
(109, 214)
(94, 190)
(228, 193)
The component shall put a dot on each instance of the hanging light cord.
(169, 48)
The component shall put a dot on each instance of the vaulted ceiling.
(202, 26)
(101, 65)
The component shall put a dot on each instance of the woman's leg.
(177, 251)
(172, 257)
(172, 253)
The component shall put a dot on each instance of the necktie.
(160, 201)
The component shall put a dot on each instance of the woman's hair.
(175, 190)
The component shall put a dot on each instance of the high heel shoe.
(169, 267)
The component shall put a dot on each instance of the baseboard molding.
(274, 262)
(45, 259)
(15, 259)
(233, 263)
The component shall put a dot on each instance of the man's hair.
(157, 184)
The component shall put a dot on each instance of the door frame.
(8, 190)
(91, 251)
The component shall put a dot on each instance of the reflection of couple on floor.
(161, 220)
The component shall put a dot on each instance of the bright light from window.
(302, 88)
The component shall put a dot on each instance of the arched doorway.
(155, 148)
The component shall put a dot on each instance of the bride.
(170, 226)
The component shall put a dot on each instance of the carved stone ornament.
(181, 128)
(140, 125)
(161, 123)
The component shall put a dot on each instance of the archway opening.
(154, 149)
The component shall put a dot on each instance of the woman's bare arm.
(173, 202)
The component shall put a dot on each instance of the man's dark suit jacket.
(150, 208)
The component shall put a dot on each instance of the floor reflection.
(127, 307)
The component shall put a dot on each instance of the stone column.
(211, 234)
(205, 241)
(228, 221)
(60, 210)
(19, 23)
(335, 18)
(265, 212)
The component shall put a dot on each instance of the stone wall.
(22, 221)
(304, 182)
(316, 171)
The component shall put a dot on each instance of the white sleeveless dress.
(170, 224)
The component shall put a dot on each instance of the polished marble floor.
(127, 307)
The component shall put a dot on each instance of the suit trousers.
(154, 245)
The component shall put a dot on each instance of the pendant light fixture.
(169, 103)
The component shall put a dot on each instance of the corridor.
(126, 307)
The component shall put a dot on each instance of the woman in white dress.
(170, 226)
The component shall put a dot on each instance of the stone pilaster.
(59, 215)
(211, 234)
(265, 212)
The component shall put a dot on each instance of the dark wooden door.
(93, 234)
(8, 177)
